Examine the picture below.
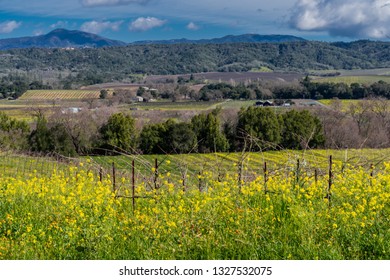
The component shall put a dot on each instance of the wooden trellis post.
(113, 178)
(101, 174)
(155, 173)
(297, 172)
(200, 181)
(240, 174)
(265, 177)
(133, 182)
(330, 182)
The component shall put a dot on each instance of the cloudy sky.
(132, 20)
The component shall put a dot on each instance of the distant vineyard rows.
(59, 94)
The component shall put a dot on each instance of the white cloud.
(192, 26)
(349, 18)
(144, 24)
(38, 32)
(97, 27)
(59, 24)
(217, 13)
(94, 3)
(9, 26)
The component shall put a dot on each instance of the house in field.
(259, 103)
(266, 103)
(137, 99)
(71, 110)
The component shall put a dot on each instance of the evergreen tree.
(119, 133)
(151, 139)
(301, 130)
(40, 138)
(103, 94)
(61, 141)
(167, 137)
(13, 133)
(207, 129)
(258, 127)
(180, 138)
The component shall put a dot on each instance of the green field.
(353, 79)
(228, 163)
(262, 69)
(22, 109)
(344, 102)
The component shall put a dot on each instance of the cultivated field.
(355, 72)
(354, 79)
(252, 163)
(345, 104)
(362, 76)
(284, 213)
(60, 94)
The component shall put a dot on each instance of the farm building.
(266, 103)
(137, 99)
(72, 110)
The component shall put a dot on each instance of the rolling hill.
(59, 38)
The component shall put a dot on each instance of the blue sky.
(132, 20)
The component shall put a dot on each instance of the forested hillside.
(191, 58)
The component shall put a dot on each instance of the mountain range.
(245, 38)
(62, 38)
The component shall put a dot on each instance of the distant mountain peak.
(59, 38)
(58, 30)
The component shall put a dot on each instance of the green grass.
(23, 165)
(345, 103)
(354, 72)
(353, 79)
(253, 163)
(262, 69)
(192, 164)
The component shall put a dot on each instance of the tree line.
(14, 85)
(254, 129)
(330, 90)
(306, 89)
